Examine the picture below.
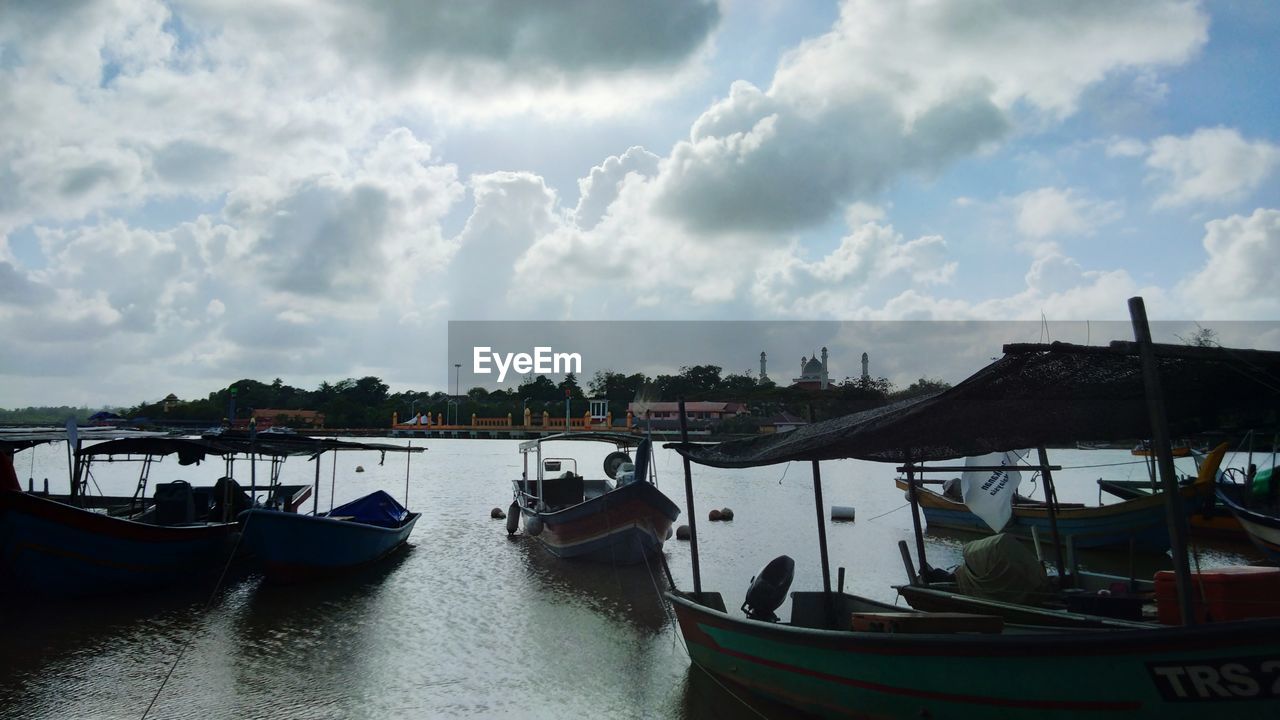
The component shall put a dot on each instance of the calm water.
(465, 622)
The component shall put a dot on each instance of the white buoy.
(842, 512)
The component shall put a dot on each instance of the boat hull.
(1205, 517)
(55, 549)
(1071, 674)
(293, 547)
(1263, 530)
(622, 526)
(1140, 521)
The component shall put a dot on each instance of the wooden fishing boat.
(292, 546)
(1260, 524)
(950, 668)
(1140, 520)
(55, 546)
(619, 520)
(840, 657)
(1143, 449)
(1206, 517)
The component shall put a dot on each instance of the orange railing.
(548, 422)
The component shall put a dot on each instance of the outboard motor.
(769, 589)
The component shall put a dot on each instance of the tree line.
(368, 403)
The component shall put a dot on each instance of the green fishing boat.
(840, 655)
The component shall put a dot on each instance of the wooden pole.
(822, 525)
(688, 501)
(1174, 514)
(915, 520)
(1051, 496)
(315, 501)
(906, 562)
(407, 457)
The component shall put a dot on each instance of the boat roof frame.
(622, 440)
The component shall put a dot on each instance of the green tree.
(1202, 337)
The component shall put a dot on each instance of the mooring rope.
(662, 603)
(208, 604)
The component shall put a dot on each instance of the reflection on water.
(466, 621)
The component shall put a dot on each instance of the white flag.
(989, 494)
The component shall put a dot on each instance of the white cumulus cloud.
(1211, 164)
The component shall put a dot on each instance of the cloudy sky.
(201, 190)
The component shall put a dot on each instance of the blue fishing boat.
(293, 546)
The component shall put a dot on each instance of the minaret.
(824, 368)
(866, 368)
(803, 361)
(764, 377)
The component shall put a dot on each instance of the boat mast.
(822, 527)
(688, 499)
(914, 498)
(1164, 455)
(1051, 497)
(315, 493)
(407, 457)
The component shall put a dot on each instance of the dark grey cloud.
(187, 162)
(18, 289)
(84, 179)
(565, 37)
(323, 240)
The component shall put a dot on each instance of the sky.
(194, 192)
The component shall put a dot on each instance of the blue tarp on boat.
(376, 508)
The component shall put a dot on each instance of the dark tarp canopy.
(1035, 396)
(377, 508)
(193, 450)
(189, 451)
(16, 439)
(620, 439)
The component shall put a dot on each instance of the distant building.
(301, 418)
(169, 401)
(782, 422)
(696, 410)
(813, 374)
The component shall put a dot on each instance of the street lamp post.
(457, 395)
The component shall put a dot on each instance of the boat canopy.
(625, 440)
(1035, 396)
(16, 439)
(193, 450)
